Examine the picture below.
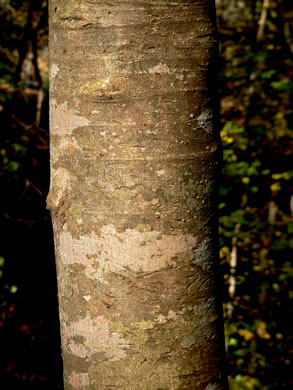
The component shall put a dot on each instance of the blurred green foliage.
(23, 34)
(256, 199)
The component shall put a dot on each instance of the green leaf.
(290, 227)
(268, 74)
(13, 166)
(283, 85)
(13, 289)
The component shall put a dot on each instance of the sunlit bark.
(134, 165)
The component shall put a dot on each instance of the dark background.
(256, 200)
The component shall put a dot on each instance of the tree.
(134, 168)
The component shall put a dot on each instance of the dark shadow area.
(29, 324)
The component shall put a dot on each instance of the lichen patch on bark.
(61, 183)
(205, 327)
(159, 69)
(54, 69)
(63, 119)
(112, 251)
(96, 338)
(161, 319)
(66, 9)
(78, 380)
(205, 120)
(67, 145)
(203, 254)
(214, 386)
(98, 87)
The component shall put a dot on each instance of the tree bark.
(134, 168)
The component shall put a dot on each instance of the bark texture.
(134, 163)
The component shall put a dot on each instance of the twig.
(233, 265)
(39, 106)
(262, 20)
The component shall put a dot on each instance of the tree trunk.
(134, 165)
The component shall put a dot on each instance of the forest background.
(256, 199)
